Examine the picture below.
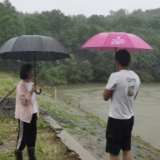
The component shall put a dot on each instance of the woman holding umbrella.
(27, 113)
(30, 48)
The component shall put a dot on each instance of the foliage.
(73, 32)
(61, 74)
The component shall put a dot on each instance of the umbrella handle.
(38, 92)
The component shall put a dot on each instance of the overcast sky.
(87, 7)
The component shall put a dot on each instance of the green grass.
(93, 133)
(84, 128)
(77, 122)
(9, 80)
(149, 158)
(140, 155)
(53, 109)
(146, 157)
(47, 146)
(95, 121)
(7, 83)
(139, 147)
(141, 141)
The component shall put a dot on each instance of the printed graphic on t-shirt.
(131, 86)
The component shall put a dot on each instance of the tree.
(74, 31)
(32, 26)
(86, 71)
(103, 66)
(8, 4)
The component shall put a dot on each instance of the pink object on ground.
(112, 42)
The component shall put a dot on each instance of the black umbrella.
(33, 48)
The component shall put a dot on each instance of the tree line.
(73, 31)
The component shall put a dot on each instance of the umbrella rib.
(131, 41)
(42, 43)
(14, 44)
(105, 41)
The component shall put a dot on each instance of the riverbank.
(87, 129)
(146, 108)
(47, 146)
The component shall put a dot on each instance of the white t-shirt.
(125, 85)
(33, 100)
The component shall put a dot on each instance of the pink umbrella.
(113, 42)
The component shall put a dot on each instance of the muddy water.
(146, 108)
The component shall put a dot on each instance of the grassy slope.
(75, 120)
(47, 147)
(84, 126)
(7, 83)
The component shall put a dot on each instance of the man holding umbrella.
(122, 88)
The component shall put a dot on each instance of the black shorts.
(118, 135)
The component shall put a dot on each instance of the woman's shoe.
(31, 154)
(18, 155)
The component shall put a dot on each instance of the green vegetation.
(67, 72)
(8, 81)
(76, 121)
(139, 139)
(140, 155)
(47, 146)
(73, 32)
(7, 84)
(73, 119)
(145, 157)
(93, 133)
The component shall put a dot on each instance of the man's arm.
(135, 96)
(107, 94)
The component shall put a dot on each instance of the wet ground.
(89, 131)
(146, 108)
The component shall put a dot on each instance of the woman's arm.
(23, 95)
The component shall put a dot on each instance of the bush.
(145, 77)
(69, 72)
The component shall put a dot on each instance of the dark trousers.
(27, 134)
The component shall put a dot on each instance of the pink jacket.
(24, 107)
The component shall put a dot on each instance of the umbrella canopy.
(112, 42)
(33, 48)
(25, 47)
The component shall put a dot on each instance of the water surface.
(146, 107)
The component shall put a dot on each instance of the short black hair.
(24, 70)
(123, 57)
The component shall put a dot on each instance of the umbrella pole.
(115, 61)
(35, 73)
(35, 68)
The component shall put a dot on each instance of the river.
(146, 107)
